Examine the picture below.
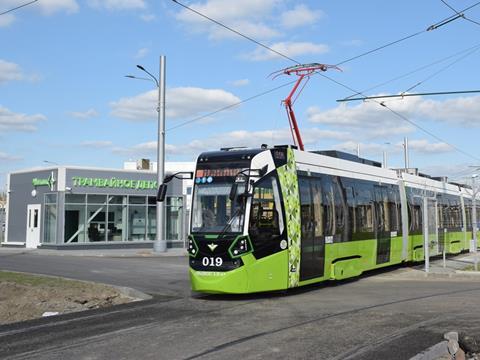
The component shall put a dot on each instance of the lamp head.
(141, 67)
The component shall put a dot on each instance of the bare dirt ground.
(26, 296)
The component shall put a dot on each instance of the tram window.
(396, 211)
(341, 211)
(318, 210)
(468, 213)
(329, 205)
(364, 210)
(414, 211)
(440, 211)
(265, 219)
(351, 215)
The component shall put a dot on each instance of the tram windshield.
(213, 211)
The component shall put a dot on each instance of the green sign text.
(114, 183)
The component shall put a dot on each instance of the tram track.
(152, 313)
(399, 333)
(147, 315)
(355, 352)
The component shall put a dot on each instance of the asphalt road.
(387, 315)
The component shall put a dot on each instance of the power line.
(18, 7)
(476, 47)
(430, 28)
(235, 31)
(460, 13)
(230, 106)
(442, 69)
(409, 95)
(428, 132)
(381, 47)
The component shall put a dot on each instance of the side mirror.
(233, 191)
(162, 191)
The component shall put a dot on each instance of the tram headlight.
(192, 246)
(240, 246)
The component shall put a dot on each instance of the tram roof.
(230, 154)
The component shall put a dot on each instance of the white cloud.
(117, 4)
(462, 111)
(234, 138)
(7, 157)
(90, 113)
(10, 121)
(301, 15)
(460, 173)
(240, 82)
(97, 144)
(181, 102)
(376, 149)
(49, 7)
(46, 7)
(243, 15)
(290, 49)
(6, 20)
(141, 53)
(423, 146)
(10, 71)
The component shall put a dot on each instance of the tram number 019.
(212, 261)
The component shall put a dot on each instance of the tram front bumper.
(220, 282)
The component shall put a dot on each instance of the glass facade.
(119, 218)
(50, 219)
(175, 232)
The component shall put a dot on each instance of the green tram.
(276, 218)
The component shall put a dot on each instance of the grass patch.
(37, 280)
(472, 268)
(29, 296)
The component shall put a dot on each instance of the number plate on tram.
(212, 261)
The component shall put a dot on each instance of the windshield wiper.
(230, 222)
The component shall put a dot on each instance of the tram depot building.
(73, 207)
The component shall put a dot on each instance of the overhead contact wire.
(432, 27)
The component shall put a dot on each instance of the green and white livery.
(276, 218)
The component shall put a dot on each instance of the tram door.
(312, 241)
(382, 224)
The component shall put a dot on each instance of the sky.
(64, 97)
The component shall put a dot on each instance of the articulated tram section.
(275, 218)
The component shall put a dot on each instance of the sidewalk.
(111, 253)
(454, 265)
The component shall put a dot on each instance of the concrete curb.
(137, 295)
(435, 352)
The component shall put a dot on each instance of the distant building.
(79, 207)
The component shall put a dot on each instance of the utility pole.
(160, 244)
(474, 212)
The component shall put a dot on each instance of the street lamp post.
(474, 212)
(160, 244)
(385, 156)
(405, 153)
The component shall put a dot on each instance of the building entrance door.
(33, 226)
